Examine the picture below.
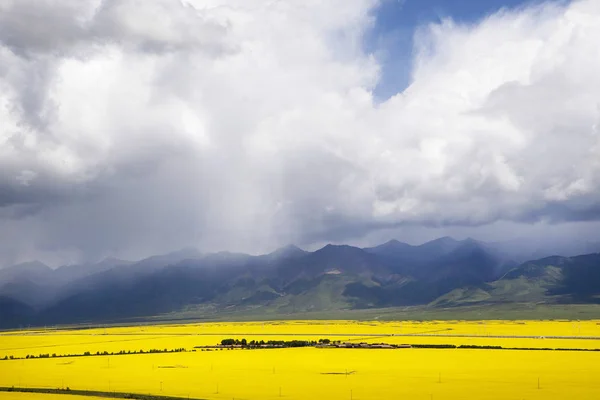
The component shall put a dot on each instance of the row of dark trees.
(272, 343)
(98, 353)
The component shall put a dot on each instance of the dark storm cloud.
(30, 26)
(556, 213)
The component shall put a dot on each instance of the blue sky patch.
(391, 38)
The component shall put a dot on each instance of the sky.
(391, 36)
(130, 128)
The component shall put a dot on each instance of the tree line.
(272, 343)
(98, 353)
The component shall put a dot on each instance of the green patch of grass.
(91, 393)
(499, 311)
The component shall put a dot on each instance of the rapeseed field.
(317, 373)
(42, 396)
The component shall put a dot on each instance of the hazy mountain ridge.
(554, 279)
(444, 272)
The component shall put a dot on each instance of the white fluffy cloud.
(132, 127)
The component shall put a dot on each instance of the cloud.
(135, 127)
(71, 27)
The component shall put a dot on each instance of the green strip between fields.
(92, 393)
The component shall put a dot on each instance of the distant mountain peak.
(336, 247)
(34, 265)
(287, 251)
(289, 247)
(444, 239)
(444, 244)
(34, 271)
(395, 243)
(390, 248)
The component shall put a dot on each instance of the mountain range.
(441, 273)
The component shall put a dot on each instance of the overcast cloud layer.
(135, 127)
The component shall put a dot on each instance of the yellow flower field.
(41, 396)
(301, 373)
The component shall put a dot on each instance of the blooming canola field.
(318, 373)
(41, 396)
